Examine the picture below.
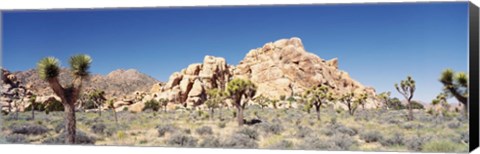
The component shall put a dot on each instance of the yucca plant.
(163, 102)
(348, 99)
(384, 97)
(407, 89)
(456, 85)
(241, 91)
(111, 105)
(49, 70)
(262, 101)
(98, 98)
(441, 100)
(317, 96)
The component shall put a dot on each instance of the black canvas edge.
(474, 73)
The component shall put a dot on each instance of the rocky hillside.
(117, 83)
(278, 68)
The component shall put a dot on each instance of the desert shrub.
(28, 129)
(179, 139)
(152, 105)
(239, 140)
(187, 131)
(315, 143)
(271, 128)
(283, 144)
(416, 105)
(98, 128)
(441, 146)
(204, 130)
(347, 130)
(59, 127)
(416, 143)
(168, 128)
(464, 136)
(395, 139)
(342, 142)
(251, 133)
(454, 124)
(53, 105)
(410, 125)
(80, 138)
(16, 138)
(222, 125)
(210, 141)
(302, 132)
(37, 106)
(371, 136)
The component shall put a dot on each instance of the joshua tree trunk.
(317, 108)
(115, 114)
(211, 113)
(240, 115)
(33, 110)
(70, 123)
(410, 111)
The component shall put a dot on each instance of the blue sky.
(378, 44)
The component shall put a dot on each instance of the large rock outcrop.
(284, 67)
(280, 68)
(190, 84)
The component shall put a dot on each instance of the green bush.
(442, 146)
(152, 104)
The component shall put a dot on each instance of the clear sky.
(378, 44)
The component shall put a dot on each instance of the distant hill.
(117, 83)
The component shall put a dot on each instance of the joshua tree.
(215, 98)
(49, 70)
(32, 104)
(348, 99)
(241, 91)
(262, 101)
(456, 85)
(290, 100)
(317, 96)
(407, 88)
(274, 103)
(361, 99)
(112, 107)
(441, 100)
(385, 98)
(98, 98)
(163, 103)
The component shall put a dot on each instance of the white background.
(49, 4)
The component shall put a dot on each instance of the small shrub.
(179, 139)
(454, 125)
(59, 127)
(210, 141)
(283, 144)
(371, 136)
(204, 130)
(98, 128)
(271, 128)
(222, 125)
(347, 130)
(251, 133)
(162, 129)
(314, 143)
(187, 131)
(152, 104)
(28, 129)
(239, 141)
(302, 132)
(440, 146)
(416, 143)
(80, 138)
(342, 142)
(395, 139)
(16, 138)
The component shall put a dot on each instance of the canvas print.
(349, 77)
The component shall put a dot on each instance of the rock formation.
(280, 68)
(190, 84)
